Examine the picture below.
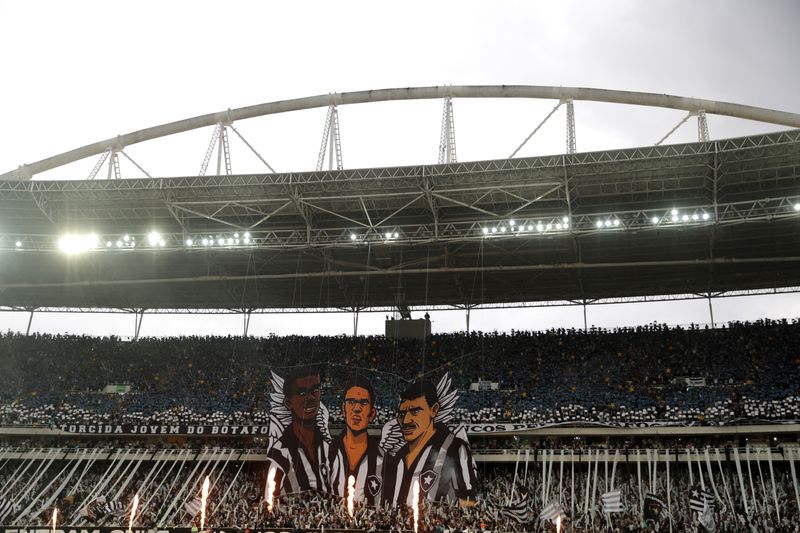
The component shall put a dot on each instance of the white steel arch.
(772, 116)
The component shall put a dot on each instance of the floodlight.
(685, 218)
(706, 216)
(539, 227)
(502, 229)
(559, 226)
(153, 237)
(511, 223)
(109, 244)
(674, 218)
(695, 217)
(119, 244)
(189, 242)
(396, 235)
(608, 223)
(674, 212)
(230, 241)
(18, 244)
(353, 236)
(530, 227)
(616, 222)
(389, 235)
(485, 231)
(235, 241)
(548, 227)
(235, 235)
(565, 220)
(161, 243)
(797, 206)
(599, 224)
(205, 242)
(126, 237)
(246, 234)
(494, 230)
(654, 220)
(247, 240)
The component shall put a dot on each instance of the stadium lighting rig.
(517, 227)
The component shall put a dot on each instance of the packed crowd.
(510, 498)
(623, 376)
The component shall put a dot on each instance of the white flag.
(552, 511)
(612, 501)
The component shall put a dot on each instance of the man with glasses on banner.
(298, 457)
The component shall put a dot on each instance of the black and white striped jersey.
(369, 482)
(444, 469)
(296, 470)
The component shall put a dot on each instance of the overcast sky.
(79, 72)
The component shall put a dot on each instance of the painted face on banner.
(358, 409)
(304, 399)
(416, 417)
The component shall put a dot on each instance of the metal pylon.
(702, 127)
(447, 137)
(330, 141)
(219, 140)
(571, 145)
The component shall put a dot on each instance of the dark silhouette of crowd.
(741, 372)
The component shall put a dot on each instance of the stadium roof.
(692, 218)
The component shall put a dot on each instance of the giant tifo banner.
(416, 456)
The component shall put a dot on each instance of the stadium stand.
(746, 372)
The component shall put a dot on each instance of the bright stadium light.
(153, 237)
(494, 230)
(559, 226)
(75, 244)
(654, 220)
(18, 244)
(189, 242)
(530, 227)
(502, 229)
(162, 242)
(119, 244)
(235, 235)
(695, 217)
(109, 244)
(126, 237)
(246, 240)
(797, 206)
(353, 236)
(396, 235)
(675, 218)
(608, 223)
(616, 222)
(674, 212)
(539, 227)
(204, 242)
(230, 241)
(548, 227)
(599, 224)
(221, 241)
(565, 220)
(706, 216)
(246, 234)
(685, 218)
(512, 223)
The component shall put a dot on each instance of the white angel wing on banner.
(391, 437)
(280, 416)
(447, 399)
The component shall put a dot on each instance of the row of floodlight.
(515, 227)
(72, 244)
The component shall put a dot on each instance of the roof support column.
(355, 321)
(711, 311)
(137, 328)
(30, 321)
(247, 313)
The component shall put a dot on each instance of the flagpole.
(514, 483)
(669, 503)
